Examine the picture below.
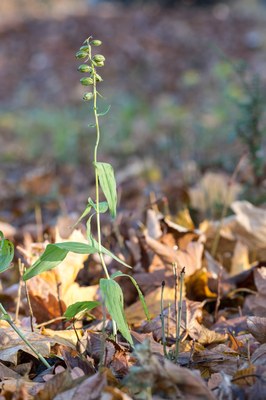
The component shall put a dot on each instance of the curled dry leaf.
(189, 258)
(257, 326)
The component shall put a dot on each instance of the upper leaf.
(108, 184)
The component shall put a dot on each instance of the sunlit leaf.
(114, 302)
(141, 297)
(79, 306)
(6, 253)
(95, 244)
(103, 205)
(108, 184)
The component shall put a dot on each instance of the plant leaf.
(85, 212)
(79, 306)
(54, 254)
(6, 253)
(108, 184)
(114, 302)
(95, 244)
(141, 297)
(103, 205)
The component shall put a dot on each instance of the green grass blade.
(114, 302)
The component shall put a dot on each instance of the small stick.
(50, 322)
(6, 317)
(182, 275)
(162, 321)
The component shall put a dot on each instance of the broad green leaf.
(6, 253)
(141, 297)
(108, 184)
(103, 205)
(114, 302)
(79, 306)
(54, 254)
(95, 244)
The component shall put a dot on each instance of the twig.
(29, 305)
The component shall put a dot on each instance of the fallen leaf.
(135, 314)
(257, 326)
(9, 350)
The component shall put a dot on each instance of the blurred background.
(186, 85)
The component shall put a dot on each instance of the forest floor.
(173, 79)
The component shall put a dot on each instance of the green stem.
(6, 317)
(96, 173)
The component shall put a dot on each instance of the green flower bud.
(88, 96)
(86, 81)
(84, 48)
(98, 58)
(81, 54)
(98, 78)
(84, 68)
(96, 43)
(98, 63)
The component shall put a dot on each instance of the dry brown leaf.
(240, 260)
(220, 384)
(111, 393)
(213, 189)
(7, 373)
(259, 356)
(197, 286)
(58, 383)
(64, 337)
(260, 280)
(135, 314)
(245, 376)
(90, 389)
(153, 224)
(13, 386)
(257, 326)
(9, 349)
(252, 224)
(166, 378)
(190, 258)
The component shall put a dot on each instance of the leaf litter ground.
(222, 353)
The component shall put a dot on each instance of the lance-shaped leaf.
(108, 184)
(141, 297)
(55, 253)
(114, 302)
(101, 249)
(80, 306)
(6, 253)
